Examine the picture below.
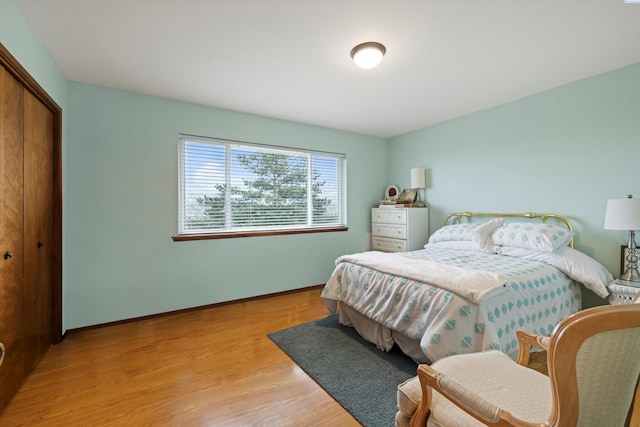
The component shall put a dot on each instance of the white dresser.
(399, 229)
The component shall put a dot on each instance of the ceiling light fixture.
(368, 55)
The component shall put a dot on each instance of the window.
(234, 189)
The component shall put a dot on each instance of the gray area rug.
(353, 371)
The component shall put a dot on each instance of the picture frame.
(623, 256)
(391, 193)
(408, 196)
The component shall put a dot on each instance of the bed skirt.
(383, 337)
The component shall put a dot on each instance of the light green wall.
(565, 151)
(120, 199)
(122, 209)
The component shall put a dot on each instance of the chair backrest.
(594, 366)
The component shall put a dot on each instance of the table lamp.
(418, 182)
(624, 214)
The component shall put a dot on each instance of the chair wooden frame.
(562, 348)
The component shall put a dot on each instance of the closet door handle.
(40, 244)
(7, 255)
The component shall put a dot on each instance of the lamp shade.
(622, 214)
(418, 178)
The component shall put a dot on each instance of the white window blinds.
(237, 186)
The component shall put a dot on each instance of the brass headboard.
(530, 215)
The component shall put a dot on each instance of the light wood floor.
(212, 367)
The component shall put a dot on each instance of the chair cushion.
(402, 420)
(409, 395)
(496, 378)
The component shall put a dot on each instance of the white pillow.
(454, 232)
(573, 263)
(480, 235)
(528, 235)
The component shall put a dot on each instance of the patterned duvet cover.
(533, 296)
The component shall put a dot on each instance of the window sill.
(236, 234)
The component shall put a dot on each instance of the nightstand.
(622, 292)
(399, 229)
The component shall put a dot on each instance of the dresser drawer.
(389, 216)
(389, 230)
(388, 245)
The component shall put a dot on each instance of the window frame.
(265, 231)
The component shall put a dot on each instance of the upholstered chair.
(593, 359)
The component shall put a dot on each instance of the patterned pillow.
(459, 245)
(541, 237)
(452, 232)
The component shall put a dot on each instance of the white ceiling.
(289, 59)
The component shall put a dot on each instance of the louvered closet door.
(38, 228)
(11, 235)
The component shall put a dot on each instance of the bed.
(481, 277)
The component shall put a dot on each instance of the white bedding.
(447, 314)
(472, 284)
